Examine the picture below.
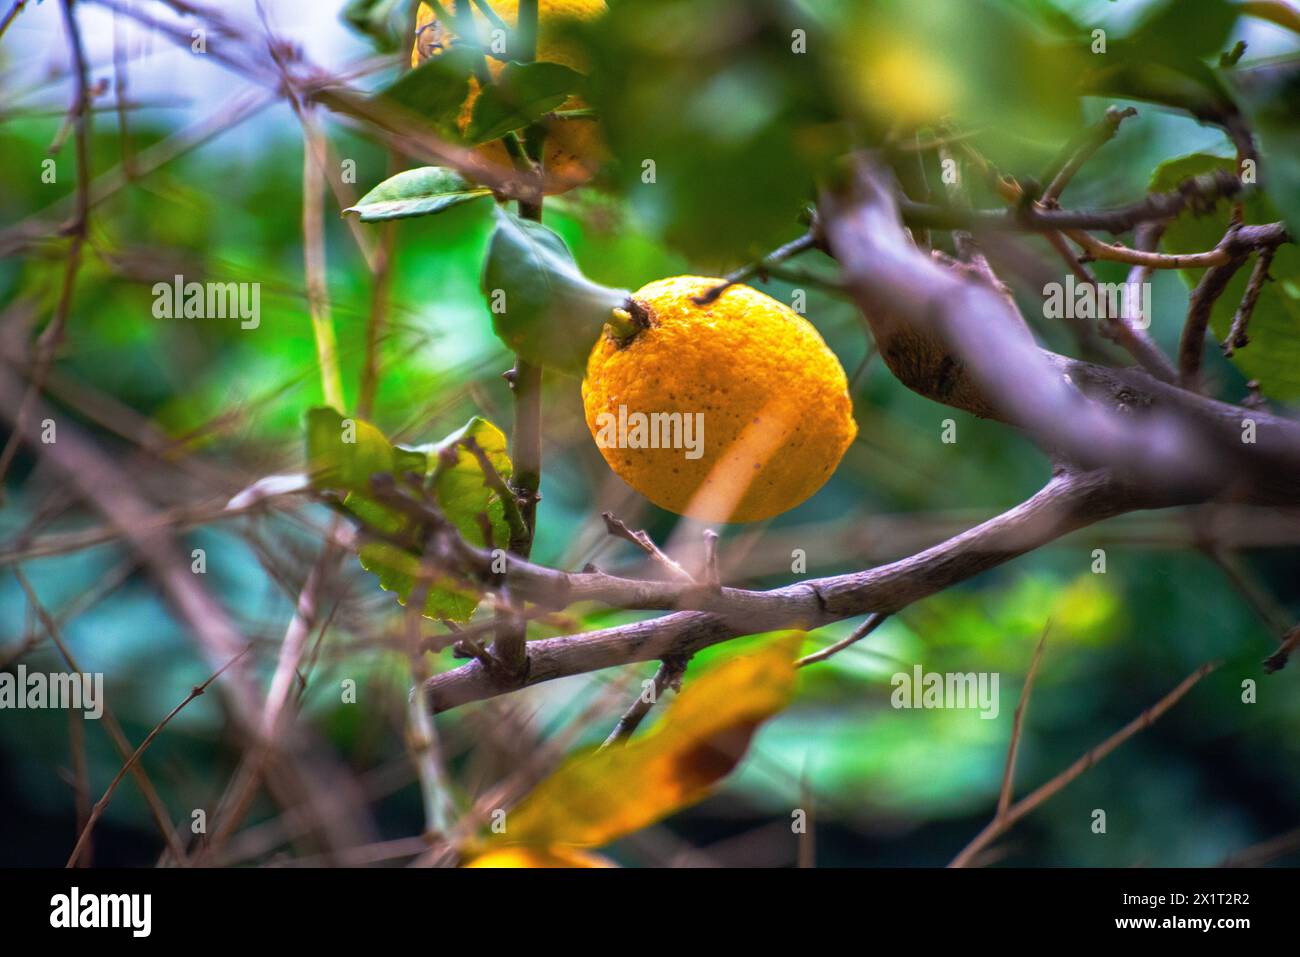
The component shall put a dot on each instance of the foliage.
(722, 127)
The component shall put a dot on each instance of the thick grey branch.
(962, 344)
(1069, 501)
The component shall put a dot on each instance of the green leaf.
(398, 569)
(1185, 29)
(543, 307)
(521, 94)
(344, 453)
(416, 192)
(1270, 96)
(1273, 355)
(385, 21)
(462, 489)
(437, 88)
(1163, 59)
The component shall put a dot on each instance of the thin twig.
(1081, 151)
(759, 267)
(1265, 606)
(872, 622)
(119, 739)
(422, 735)
(1277, 661)
(14, 10)
(1017, 727)
(1257, 855)
(102, 803)
(510, 647)
(999, 825)
(1237, 337)
(51, 338)
(669, 675)
(313, 251)
(642, 540)
(1195, 193)
(381, 279)
(81, 783)
(1201, 304)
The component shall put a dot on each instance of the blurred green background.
(738, 128)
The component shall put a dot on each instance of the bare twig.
(1277, 661)
(1201, 304)
(156, 807)
(14, 9)
(642, 540)
(510, 647)
(1193, 193)
(960, 343)
(52, 337)
(669, 675)
(1257, 855)
(1000, 824)
(100, 805)
(1079, 152)
(1134, 336)
(1237, 337)
(422, 735)
(1067, 502)
(313, 251)
(760, 266)
(1017, 728)
(872, 622)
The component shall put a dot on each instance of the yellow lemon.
(731, 411)
(574, 147)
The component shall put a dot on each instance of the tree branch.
(1237, 338)
(960, 343)
(1201, 304)
(1196, 193)
(1069, 501)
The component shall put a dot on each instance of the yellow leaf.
(599, 796)
(557, 856)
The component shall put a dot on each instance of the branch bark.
(962, 344)
(1067, 502)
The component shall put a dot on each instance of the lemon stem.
(628, 321)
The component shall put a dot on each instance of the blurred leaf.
(542, 306)
(1163, 59)
(721, 127)
(1185, 29)
(557, 856)
(460, 488)
(416, 192)
(521, 94)
(976, 61)
(1273, 355)
(437, 88)
(1271, 95)
(598, 797)
(343, 453)
(1192, 87)
(387, 22)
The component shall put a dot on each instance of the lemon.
(574, 147)
(733, 411)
